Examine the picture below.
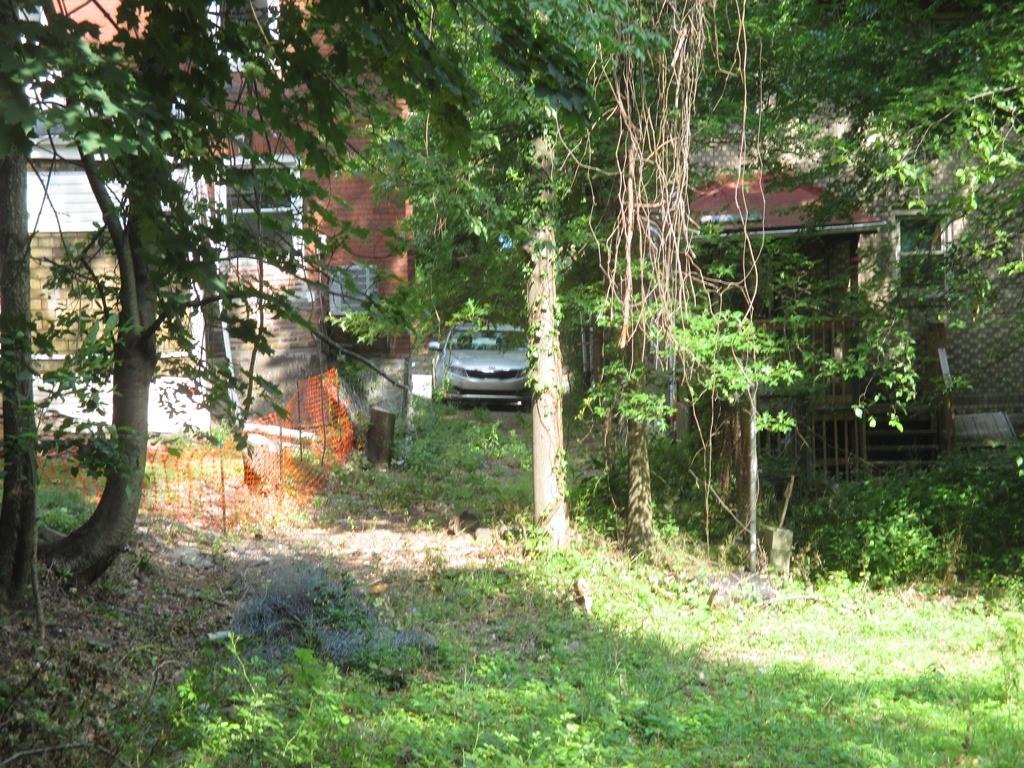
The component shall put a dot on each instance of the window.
(922, 242)
(919, 234)
(352, 288)
(259, 14)
(496, 339)
(33, 14)
(251, 21)
(263, 213)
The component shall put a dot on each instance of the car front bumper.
(475, 388)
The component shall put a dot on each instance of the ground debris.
(190, 556)
(464, 522)
(584, 595)
(304, 607)
(740, 587)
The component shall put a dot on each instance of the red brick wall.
(351, 199)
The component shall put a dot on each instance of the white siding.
(61, 201)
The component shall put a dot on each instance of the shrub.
(958, 518)
(601, 494)
(243, 713)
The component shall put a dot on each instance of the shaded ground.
(139, 630)
(668, 669)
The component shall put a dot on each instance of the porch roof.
(775, 207)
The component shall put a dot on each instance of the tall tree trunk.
(639, 509)
(18, 507)
(550, 508)
(90, 549)
(549, 498)
(639, 532)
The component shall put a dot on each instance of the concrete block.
(780, 549)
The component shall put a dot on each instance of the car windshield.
(499, 341)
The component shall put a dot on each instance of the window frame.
(938, 246)
(295, 206)
(340, 301)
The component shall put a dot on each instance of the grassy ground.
(656, 677)
(678, 664)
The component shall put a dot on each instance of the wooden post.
(380, 436)
(223, 496)
(780, 553)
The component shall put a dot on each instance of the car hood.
(489, 360)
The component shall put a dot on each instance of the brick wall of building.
(350, 199)
(48, 303)
(989, 353)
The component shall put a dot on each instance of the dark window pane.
(919, 235)
(241, 12)
(263, 233)
(257, 191)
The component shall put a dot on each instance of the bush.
(601, 495)
(958, 518)
(244, 713)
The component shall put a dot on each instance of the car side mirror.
(434, 346)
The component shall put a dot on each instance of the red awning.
(774, 207)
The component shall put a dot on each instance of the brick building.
(63, 213)
(970, 367)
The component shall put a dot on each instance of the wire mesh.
(288, 458)
(289, 454)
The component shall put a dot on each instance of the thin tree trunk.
(639, 511)
(550, 508)
(18, 507)
(747, 489)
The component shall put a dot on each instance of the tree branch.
(118, 237)
(41, 750)
(194, 304)
(355, 356)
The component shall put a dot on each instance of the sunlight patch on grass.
(660, 674)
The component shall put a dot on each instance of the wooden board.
(984, 429)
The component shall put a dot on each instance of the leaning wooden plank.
(990, 429)
(254, 427)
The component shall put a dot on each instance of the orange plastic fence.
(287, 460)
(315, 427)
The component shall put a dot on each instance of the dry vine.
(649, 259)
(652, 271)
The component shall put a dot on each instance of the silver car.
(482, 364)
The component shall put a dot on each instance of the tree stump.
(380, 436)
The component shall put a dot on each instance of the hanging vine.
(667, 301)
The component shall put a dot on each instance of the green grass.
(654, 677)
(829, 675)
(62, 507)
(453, 462)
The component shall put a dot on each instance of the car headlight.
(459, 370)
